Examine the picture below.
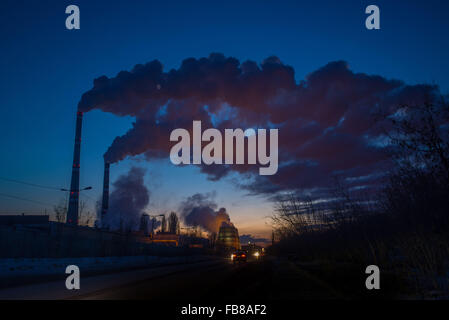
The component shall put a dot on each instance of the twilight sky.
(45, 69)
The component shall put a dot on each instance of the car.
(239, 256)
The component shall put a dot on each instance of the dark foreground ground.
(216, 280)
(257, 280)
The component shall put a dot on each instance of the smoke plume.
(326, 124)
(200, 210)
(127, 201)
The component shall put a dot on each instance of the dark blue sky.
(46, 68)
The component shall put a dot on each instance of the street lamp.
(86, 188)
(66, 190)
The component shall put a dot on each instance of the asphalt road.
(211, 280)
(55, 289)
(217, 280)
(258, 280)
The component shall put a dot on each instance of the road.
(214, 280)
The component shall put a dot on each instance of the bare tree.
(173, 223)
(60, 211)
(294, 216)
(420, 134)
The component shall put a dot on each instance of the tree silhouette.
(173, 223)
(163, 224)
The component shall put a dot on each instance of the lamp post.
(66, 190)
(86, 188)
(68, 193)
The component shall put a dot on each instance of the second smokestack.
(105, 203)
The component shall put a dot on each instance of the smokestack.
(105, 203)
(72, 213)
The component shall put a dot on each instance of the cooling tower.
(228, 238)
(105, 202)
(72, 213)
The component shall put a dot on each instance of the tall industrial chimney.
(72, 213)
(105, 203)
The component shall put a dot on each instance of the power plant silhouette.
(228, 237)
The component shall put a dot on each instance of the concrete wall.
(56, 240)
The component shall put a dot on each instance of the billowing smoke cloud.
(200, 210)
(127, 201)
(326, 124)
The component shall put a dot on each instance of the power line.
(24, 199)
(38, 186)
(30, 184)
(85, 195)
